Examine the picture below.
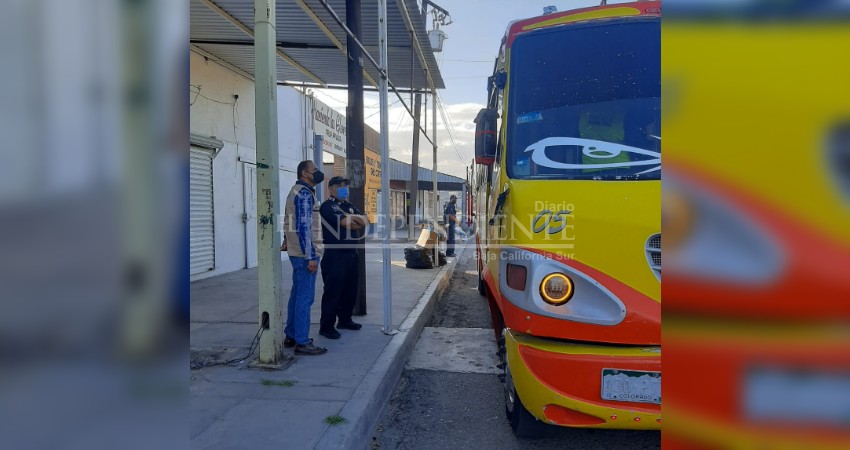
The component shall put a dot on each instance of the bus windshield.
(585, 102)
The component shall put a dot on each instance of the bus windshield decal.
(577, 111)
(529, 117)
(597, 150)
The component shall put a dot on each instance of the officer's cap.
(338, 180)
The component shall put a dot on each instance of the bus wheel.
(523, 424)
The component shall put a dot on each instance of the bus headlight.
(551, 288)
(556, 289)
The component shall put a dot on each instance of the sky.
(465, 63)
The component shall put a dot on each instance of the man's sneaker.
(350, 326)
(309, 349)
(289, 342)
(330, 334)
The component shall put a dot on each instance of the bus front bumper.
(561, 383)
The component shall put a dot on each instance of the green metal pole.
(268, 184)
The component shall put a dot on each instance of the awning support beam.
(280, 44)
(224, 14)
(408, 22)
(322, 26)
(343, 88)
(218, 60)
(377, 66)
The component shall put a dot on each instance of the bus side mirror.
(485, 136)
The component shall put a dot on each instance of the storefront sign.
(330, 124)
(373, 183)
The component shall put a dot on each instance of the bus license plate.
(631, 386)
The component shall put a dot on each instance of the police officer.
(342, 229)
(450, 219)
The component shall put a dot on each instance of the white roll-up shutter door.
(201, 228)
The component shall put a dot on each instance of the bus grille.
(653, 254)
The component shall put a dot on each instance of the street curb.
(366, 405)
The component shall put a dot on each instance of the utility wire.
(199, 94)
(379, 110)
(254, 343)
(449, 123)
(326, 96)
(449, 128)
(381, 71)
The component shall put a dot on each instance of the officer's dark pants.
(340, 274)
(450, 241)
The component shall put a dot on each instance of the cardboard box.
(427, 239)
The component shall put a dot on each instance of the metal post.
(318, 150)
(414, 169)
(385, 164)
(434, 175)
(268, 183)
(354, 135)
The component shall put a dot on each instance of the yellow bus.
(757, 224)
(568, 217)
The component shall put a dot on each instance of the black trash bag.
(442, 258)
(419, 263)
(417, 257)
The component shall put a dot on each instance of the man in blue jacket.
(303, 242)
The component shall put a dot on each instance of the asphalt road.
(449, 396)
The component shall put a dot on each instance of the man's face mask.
(318, 176)
(342, 192)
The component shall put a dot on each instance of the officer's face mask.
(342, 192)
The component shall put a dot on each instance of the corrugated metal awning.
(308, 39)
(401, 171)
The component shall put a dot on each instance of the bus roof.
(646, 8)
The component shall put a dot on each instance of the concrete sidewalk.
(239, 407)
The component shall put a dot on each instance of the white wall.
(215, 112)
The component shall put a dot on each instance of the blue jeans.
(300, 300)
(450, 241)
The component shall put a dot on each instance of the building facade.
(223, 163)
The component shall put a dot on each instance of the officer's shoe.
(330, 334)
(350, 326)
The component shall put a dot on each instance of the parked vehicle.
(756, 201)
(568, 212)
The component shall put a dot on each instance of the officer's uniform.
(450, 225)
(340, 265)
